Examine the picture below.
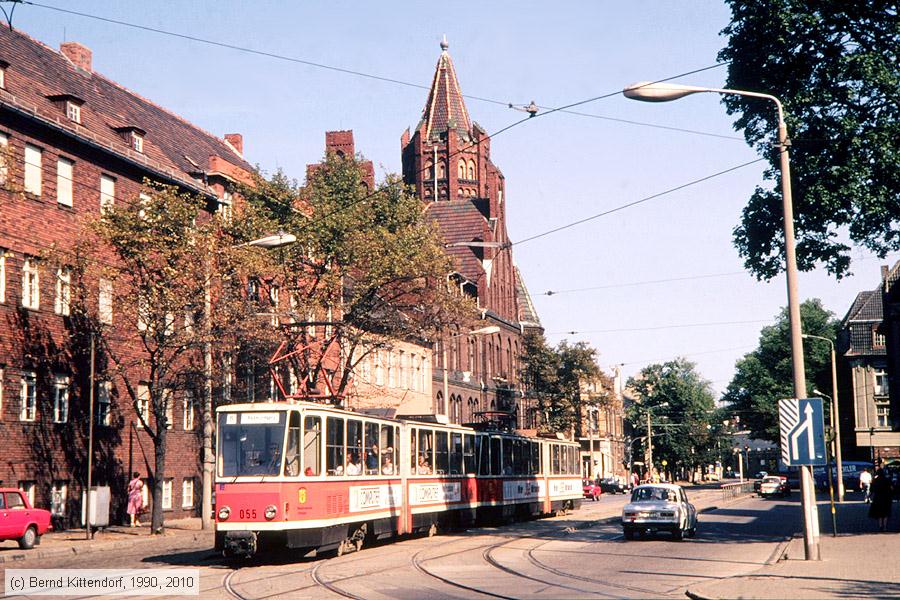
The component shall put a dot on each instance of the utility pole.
(90, 454)
(649, 447)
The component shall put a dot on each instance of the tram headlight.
(271, 511)
(224, 513)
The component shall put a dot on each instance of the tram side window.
(292, 453)
(373, 452)
(521, 457)
(441, 453)
(495, 456)
(425, 460)
(354, 446)
(388, 450)
(469, 457)
(535, 458)
(554, 459)
(413, 455)
(571, 463)
(456, 454)
(508, 454)
(485, 454)
(312, 448)
(334, 446)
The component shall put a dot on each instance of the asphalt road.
(580, 555)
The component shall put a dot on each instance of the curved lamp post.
(665, 92)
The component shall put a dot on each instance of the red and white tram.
(307, 476)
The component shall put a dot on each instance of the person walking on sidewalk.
(882, 496)
(135, 498)
(865, 483)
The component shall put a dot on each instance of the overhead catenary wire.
(353, 72)
(659, 327)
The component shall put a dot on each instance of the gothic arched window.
(472, 169)
(461, 169)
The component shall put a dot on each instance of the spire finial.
(444, 43)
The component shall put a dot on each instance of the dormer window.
(73, 111)
(133, 136)
(137, 141)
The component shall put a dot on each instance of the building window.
(881, 383)
(107, 192)
(63, 302)
(883, 415)
(169, 404)
(2, 375)
(226, 206)
(28, 397)
(60, 399)
(31, 284)
(143, 404)
(28, 487)
(379, 368)
(137, 142)
(3, 77)
(471, 172)
(253, 289)
(73, 111)
(2, 275)
(105, 302)
(391, 372)
(103, 403)
(461, 169)
(4, 157)
(187, 492)
(33, 169)
(189, 404)
(58, 494)
(167, 495)
(878, 339)
(274, 293)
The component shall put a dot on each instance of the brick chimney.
(78, 54)
(236, 141)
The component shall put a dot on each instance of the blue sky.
(558, 168)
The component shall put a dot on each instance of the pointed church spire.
(445, 108)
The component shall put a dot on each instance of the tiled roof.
(461, 221)
(445, 108)
(866, 307)
(36, 73)
(527, 314)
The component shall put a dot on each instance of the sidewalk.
(859, 563)
(73, 541)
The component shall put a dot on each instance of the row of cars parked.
(594, 488)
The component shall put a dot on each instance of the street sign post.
(802, 433)
(802, 429)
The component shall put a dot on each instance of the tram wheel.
(340, 548)
(432, 531)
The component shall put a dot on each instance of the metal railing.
(730, 491)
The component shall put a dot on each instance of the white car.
(659, 507)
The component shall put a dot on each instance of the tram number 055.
(247, 513)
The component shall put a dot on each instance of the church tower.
(447, 159)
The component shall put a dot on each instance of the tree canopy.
(564, 380)
(833, 65)
(367, 261)
(765, 375)
(683, 414)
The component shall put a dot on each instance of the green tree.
(368, 262)
(834, 66)
(564, 380)
(682, 411)
(140, 272)
(765, 376)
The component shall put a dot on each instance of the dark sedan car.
(611, 485)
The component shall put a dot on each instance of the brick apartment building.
(72, 142)
(869, 342)
(447, 160)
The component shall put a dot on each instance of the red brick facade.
(80, 156)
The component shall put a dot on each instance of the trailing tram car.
(308, 476)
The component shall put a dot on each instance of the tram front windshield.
(250, 443)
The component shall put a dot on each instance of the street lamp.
(490, 329)
(835, 415)
(665, 92)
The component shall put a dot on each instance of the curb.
(100, 546)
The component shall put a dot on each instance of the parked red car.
(591, 489)
(20, 521)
